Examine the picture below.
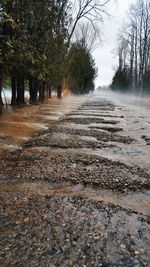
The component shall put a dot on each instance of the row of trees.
(36, 47)
(33, 35)
(133, 72)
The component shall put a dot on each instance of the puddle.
(89, 138)
(71, 125)
(75, 138)
(106, 128)
(11, 147)
(136, 201)
(94, 116)
(18, 124)
(133, 114)
(131, 154)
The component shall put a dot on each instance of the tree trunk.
(59, 91)
(48, 89)
(1, 100)
(33, 90)
(49, 92)
(131, 74)
(14, 91)
(20, 91)
(41, 92)
(1, 89)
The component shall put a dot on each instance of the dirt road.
(77, 194)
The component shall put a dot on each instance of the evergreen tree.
(120, 80)
(33, 36)
(81, 70)
(146, 82)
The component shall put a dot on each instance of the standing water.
(18, 124)
(132, 115)
(135, 123)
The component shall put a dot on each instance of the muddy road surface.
(77, 192)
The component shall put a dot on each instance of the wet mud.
(76, 193)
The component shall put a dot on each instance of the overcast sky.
(104, 58)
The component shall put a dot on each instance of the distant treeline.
(36, 47)
(133, 51)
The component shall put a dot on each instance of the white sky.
(103, 56)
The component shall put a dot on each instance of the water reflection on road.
(135, 122)
(127, 201)
(132, 115)
(18, 124)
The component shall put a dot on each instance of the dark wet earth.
(76, 193)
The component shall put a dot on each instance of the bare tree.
(87, 10)
(85, 34)
(134, 43)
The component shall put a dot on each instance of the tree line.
(38, 48)
(133, 51)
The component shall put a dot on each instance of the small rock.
(26, 219)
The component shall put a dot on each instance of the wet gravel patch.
(87, 114)
(100, 105)
(73, 141)
(61, 140)
(100, 135)
(68, 231)
(71, 166)
(109, 129)
(89, 120)
(54, 230)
